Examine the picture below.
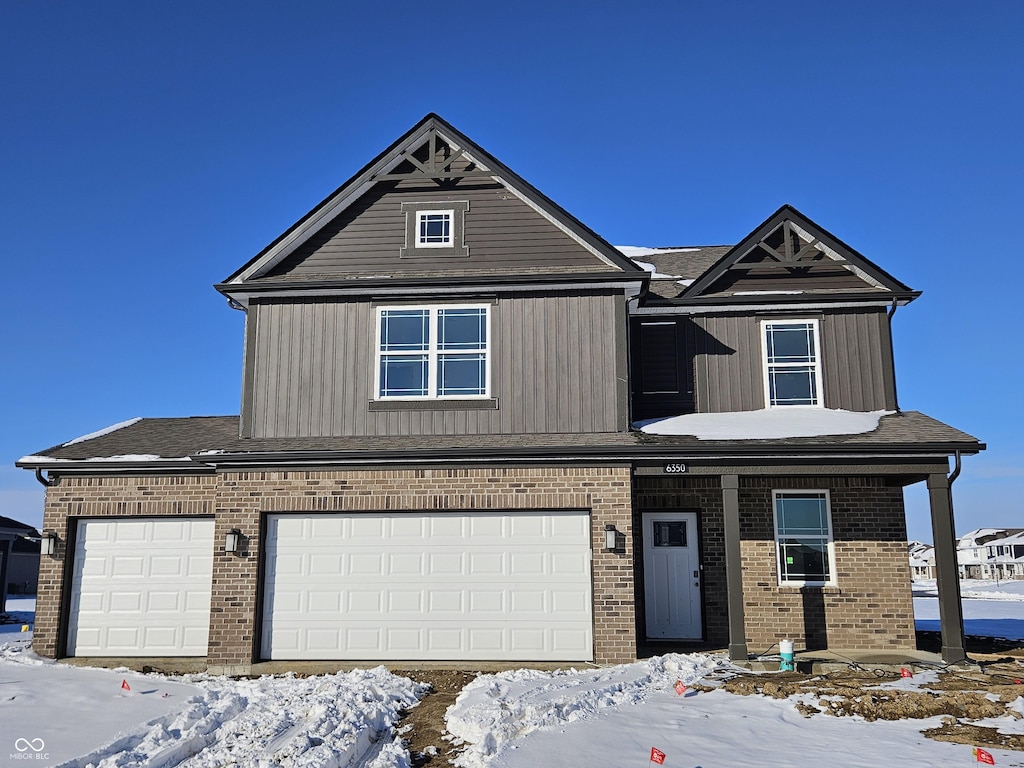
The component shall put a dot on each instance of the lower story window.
(803, 537)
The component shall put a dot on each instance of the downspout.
(892, 367)
(46, 481)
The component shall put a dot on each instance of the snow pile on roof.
(104, 431)
(494, 709)
(638, 252)
(766, 424)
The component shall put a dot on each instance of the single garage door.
(428, 585)
(141, 587)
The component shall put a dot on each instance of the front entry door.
(672, 576)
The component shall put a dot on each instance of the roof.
(7, 525)
(173, 443)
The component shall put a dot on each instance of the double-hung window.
(803, 537)
(430, 352)
(792, 360)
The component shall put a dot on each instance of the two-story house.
(472, 429)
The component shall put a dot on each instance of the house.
(922, 560)
(472, 429)
(991, 553)
(19, 559)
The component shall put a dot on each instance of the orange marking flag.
(984, 757)
(657, 756)
(125, 686)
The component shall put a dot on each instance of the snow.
(654, 270)
(638, 251)
(104, 431)
(991, 609)
(771, 423)
(598, 717)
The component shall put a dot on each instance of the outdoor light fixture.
(232, 540)
(609, 536)
(48, 543)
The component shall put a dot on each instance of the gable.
(789, 255)
(499, 223)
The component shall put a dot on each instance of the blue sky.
(148, 150)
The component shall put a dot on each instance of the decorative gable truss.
(789, 255)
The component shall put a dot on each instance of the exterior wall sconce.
(610, 535)
(232, 541)
(48, 543)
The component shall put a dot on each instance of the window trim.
(768, 367)
(433, 353)
(456, 245)
(829, 539)
(448, 242)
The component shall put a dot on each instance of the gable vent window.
(434, 229)
(433, 352)
(792, 360)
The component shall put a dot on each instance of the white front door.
(672, 576)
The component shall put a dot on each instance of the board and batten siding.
(856, 361)
(557, 366)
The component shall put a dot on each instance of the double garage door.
(417, 585)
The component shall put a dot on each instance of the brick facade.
(241, 499)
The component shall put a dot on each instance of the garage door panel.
(444, 586)
(141, 587)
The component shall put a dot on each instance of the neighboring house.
(992, 553)
(19, 559)
(471, 429)
(922, 560)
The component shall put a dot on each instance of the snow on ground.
(991, 609)
(613, 717)
(74, 717)
(771, 423)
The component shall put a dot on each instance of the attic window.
(434, 229)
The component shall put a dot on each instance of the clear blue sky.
(149, 149)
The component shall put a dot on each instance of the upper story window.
(803, 537)
(792, 359)
(433, 352)
(435, 228)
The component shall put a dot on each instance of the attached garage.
(429, 586)
(141, 587)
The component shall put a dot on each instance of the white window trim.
(830, 543)
(432, 353)
(766, 368)
(449, 242)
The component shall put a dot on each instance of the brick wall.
(241, 498)
(74, 497)
(870, 608)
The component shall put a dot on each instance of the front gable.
(790, 256)
(432, 204)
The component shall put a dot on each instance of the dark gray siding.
(721, 363)
(501, 233)
(554, 366)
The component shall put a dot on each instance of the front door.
(672, 576)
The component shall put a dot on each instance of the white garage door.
(432, 585)
(141, 587)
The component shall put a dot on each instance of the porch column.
(947, 576)
(733, 567)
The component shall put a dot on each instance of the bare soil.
(962, 697)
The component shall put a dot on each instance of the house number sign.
(674, 469)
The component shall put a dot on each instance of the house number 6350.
(675, 469)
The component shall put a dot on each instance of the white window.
(433, 352)
(792, 360)
(803, 537)
(434, 229)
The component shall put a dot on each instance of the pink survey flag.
(680, 688)
(125, 686)
(904, 672)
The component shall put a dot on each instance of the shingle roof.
(154, 440)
